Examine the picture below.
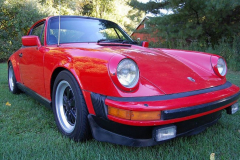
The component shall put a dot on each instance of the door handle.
(20, 55)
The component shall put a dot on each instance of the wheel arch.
(86, 95)
(57, 71)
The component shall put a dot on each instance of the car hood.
(165, 70)
(170, 73)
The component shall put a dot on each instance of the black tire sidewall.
(81, 129)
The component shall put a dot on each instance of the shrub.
(16, 17)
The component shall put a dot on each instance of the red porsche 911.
(100, 82)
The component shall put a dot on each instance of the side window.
(38, 30)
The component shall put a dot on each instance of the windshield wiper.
(101, 40)
(115, 40)
(129, 42)
(110, 40)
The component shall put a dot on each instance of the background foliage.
(210, 26)
(16, 17)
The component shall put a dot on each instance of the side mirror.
(144, 44)
(31, 41)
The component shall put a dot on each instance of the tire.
(12, 83)
(69, 107)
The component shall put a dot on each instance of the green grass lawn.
(28, 131)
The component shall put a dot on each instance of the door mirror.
(144, 44)
(31, 41)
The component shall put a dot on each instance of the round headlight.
(222, 67)
(128, 73)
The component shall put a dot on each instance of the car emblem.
(191, 79)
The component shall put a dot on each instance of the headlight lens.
(222, 67)
(128, 73)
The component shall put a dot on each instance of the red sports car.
(100, 82)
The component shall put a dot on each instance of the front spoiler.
(140, 136)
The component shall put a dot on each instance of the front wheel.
(69, 107)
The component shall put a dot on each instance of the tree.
(16, 18)
(115, 10)
(153, 6)
(205, 21)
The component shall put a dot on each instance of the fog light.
(166, 133)
(232, 109)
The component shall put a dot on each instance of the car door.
(31, 62)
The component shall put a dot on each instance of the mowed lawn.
(28, 131)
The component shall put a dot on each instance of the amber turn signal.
(121, 113)
(145, 116)
(134, 115)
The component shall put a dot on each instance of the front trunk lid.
(170, 74)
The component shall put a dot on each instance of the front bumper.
(190, 112)
(177, 107)
(141, 136)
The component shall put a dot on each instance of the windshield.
(77, 29)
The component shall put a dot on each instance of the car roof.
(73, 16)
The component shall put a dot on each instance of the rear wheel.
(69, 107)
(12, 83)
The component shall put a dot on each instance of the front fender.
(94, 76)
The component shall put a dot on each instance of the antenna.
(59, 22)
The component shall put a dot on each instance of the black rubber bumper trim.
(104, 135)
(103, 130)
(188, 111)
(98, 102)
(171, 96)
